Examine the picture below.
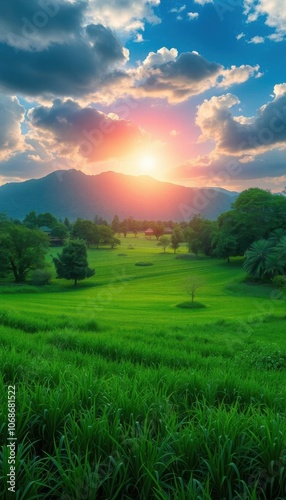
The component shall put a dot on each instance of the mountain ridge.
(73, 194)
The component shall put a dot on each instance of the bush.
(40, 277)
(266, 357)
(279, 281)
(144, 264)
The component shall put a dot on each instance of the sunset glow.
(147, 164)
(138, 88)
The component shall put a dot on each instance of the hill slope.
(73, 194)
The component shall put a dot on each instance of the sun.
(147, 164)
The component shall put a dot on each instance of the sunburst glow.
(147, 164)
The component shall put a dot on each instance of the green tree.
(176, 238)
(105, 235)
(191, 240)
(22, 250)
(276, 236)
(72, 263)
(281, 250)
(225, 246)
(115, 224)
(199, 235)
(256, 258)
(192, 285)
(164, 242)
(48, 220)
(254, 216)
(114, 242)
(60, 232)
(274, 265)
(134, 227)
(158, 229)
(67, 223)
(31, 220)
(84, 230)
(123, 228)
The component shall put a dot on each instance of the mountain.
(72, 194)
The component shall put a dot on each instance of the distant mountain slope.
(73, 194)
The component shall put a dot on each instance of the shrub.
(279, 281)
(40, 277)
(144, 264)
(267, 357)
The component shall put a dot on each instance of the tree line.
(255, 227)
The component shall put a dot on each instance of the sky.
(191, 92)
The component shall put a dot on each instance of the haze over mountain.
(73, 194)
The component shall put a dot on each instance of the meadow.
(123, 395)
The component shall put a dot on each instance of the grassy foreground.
(123, 395)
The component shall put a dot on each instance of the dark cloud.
(24, 166)
(34, 23)
(12, 114)
(74, 68)
(73, 130)
(166, 74)
(108, 47)
(235, 135)
(188, 67)
(177, 78)
(227, 170)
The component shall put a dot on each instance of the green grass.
(123, 395)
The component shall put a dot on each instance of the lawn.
(123, 395)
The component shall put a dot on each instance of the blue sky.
(192, 92)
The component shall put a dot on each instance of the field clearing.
(122, 395)
(122, 293)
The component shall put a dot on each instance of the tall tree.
(84, 230)
(164, 242)
(254, 216)
(72, 263)
(176, 238)
(22, 250)
(115, 224)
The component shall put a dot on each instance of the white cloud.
(193, 15)
(279, 90)
(240, 36)
(125, 15)
(139, 38)
(275, 12)
(257, 40)
(162, 56)
(203, 2)
(237, 75)
(178, 10)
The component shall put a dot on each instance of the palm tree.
(274, 265)
(276, 236)
(256, 258)
(281, 251)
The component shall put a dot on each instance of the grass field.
(123, 395)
